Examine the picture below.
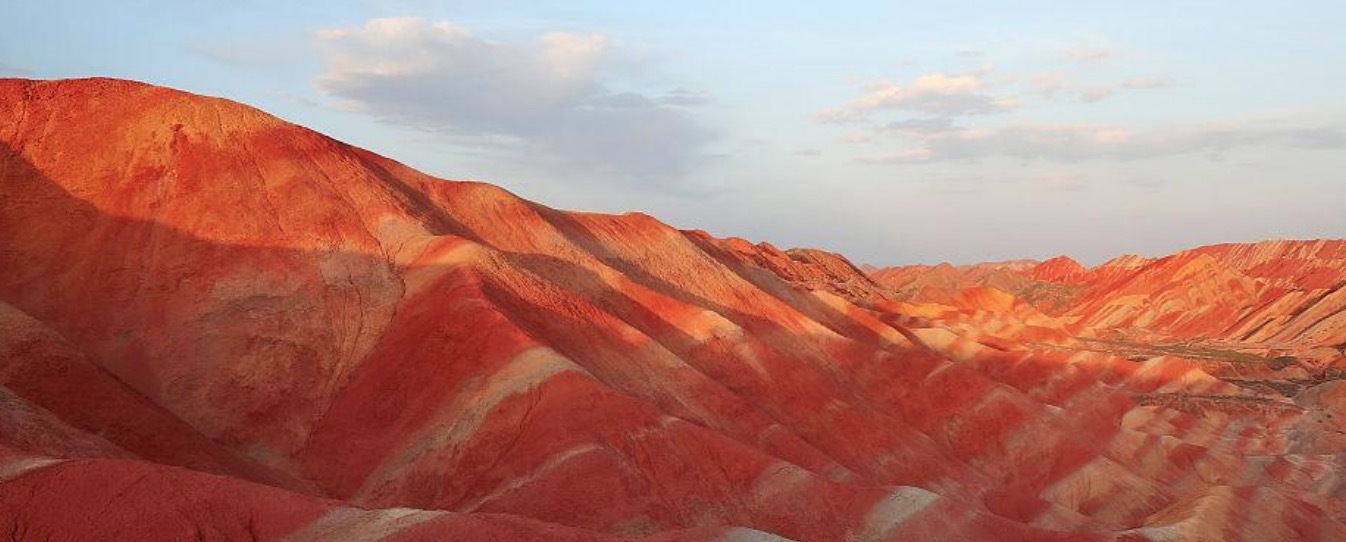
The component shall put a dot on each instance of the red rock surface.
(220, 325)
(1285, 295)
(1273, 295)
(1042, 283)
(1061, 269)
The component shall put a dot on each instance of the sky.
(892, 132)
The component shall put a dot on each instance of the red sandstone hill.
(214, 324)
(1050, 285)
(1061, 269)
(1277, 295)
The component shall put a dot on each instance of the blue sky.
(893, 132)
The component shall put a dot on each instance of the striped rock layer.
(1280, 295)
(217, 325)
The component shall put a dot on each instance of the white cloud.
(937, 94)
(550, 97)
(572, 55)
(940, 97)
(922, 121)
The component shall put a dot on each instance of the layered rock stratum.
(218, 325)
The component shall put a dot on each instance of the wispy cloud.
(941, 117)
(682, 97)
(1062, 86)
(938, 94)
(938, 97)
(550, 98)
(1074, 143)
(919, 126)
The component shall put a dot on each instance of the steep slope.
(1277, 294)
(1305, 284)
(343, 332)
(1179, 295)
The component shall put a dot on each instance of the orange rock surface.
(1061, 269)
(217, 324)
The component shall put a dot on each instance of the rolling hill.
(216, 324)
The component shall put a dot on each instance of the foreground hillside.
(215, 324)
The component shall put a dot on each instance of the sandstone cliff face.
(214, 316)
